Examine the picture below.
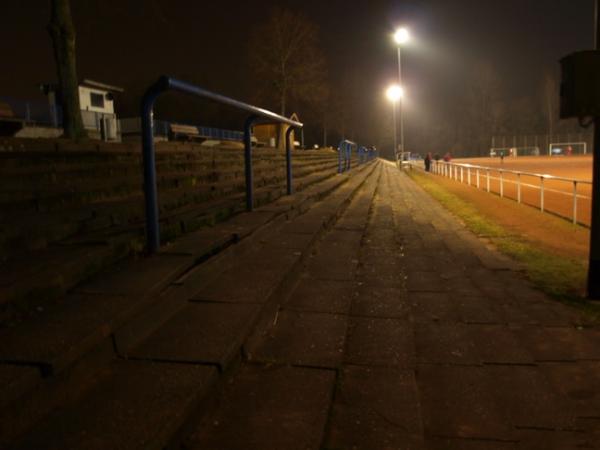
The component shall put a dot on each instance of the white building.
(97, 108)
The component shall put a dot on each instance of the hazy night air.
(285, 224)
(130, 43)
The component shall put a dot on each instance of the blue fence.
(222, 135)
(160, 128)
(163, 128)
(35, 112)
(364, 154)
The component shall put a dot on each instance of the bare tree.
(523, 116)
(483, 105)
(550, 101)
(62, 32)
(324, 112)
(286, 60)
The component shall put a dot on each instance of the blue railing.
(222, 135)
(344, 155)
(257, 115)
(363, 154)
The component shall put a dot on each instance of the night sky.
(130, 43)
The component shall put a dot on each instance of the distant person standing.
(447, 157)
(569, 150)
(428, 162)
(502, 156)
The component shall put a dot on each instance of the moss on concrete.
(561, 278)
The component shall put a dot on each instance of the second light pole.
(401, 37)
(394, 94)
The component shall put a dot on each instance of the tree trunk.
(282, 104)
(550, 116)
(62, 32)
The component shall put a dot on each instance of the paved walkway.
(396, 329)
(406, 332)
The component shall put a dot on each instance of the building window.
(97, 100)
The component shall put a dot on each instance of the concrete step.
(315, 337)
(247, 281)
(155, 334)
(19, 184)
(52, 280)
(205, 243)
(58, 167)
(63, 194)
(136, 404)
(269, 407)
(107, 214)
(297, 352)
(41, 276)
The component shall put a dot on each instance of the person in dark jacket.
(428, 162)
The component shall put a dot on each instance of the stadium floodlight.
(394, 93)
(401, 36)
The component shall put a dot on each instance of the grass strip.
(557, 276)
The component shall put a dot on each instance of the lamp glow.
(394, 93)
(401, 36)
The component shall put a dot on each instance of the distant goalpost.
(567, 148)
(514, 152)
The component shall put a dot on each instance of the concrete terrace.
(356, 314)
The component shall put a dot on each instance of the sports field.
(522, 177)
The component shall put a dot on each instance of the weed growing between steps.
(561, 278)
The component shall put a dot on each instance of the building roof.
(97, 84)
(53, 87)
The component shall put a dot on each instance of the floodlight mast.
(394, 94)
(401, 37)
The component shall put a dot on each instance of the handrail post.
(348, 155)
(340, 150)
(477, 174)
(248, 162)
(488, 180)
(288, 160)
(501, 184)
(542, 194)
(574, 202)
(519, 187)
(149, 161)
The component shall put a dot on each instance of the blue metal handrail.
(344, 155)
(371, 154)
(257, 115)
(363, 154)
